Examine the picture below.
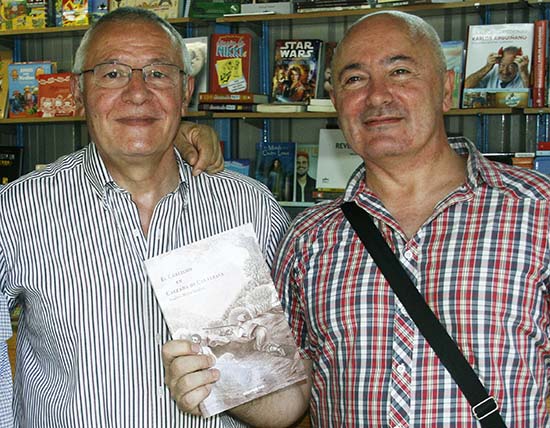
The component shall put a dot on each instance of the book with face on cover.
(218, 293)
(197, 47)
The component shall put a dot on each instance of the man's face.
(134, 122)
(389, 96)
(507, 68)
(302, 165)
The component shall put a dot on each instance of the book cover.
(198, 52)
(275, 168)
(23, 87)
(306, 172)
(212, 9)
(74, 13)
(454, 57)
(539, 63)
(336, 161)
(296, 70)
(218, 292)
(166, 9)
(22, 14)
(327, 68)
(11, 163)
(240, 98)
(96, 9)
(498, 60)
(6, 56)
(54, 95)
(242, 166)
(230, 63)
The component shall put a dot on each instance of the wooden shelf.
(364, 11)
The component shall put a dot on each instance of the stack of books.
(321, 105)
(243, 101)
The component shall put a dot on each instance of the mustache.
(381, 112)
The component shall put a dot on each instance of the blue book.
(275, 167)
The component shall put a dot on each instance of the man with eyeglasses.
(74, 236)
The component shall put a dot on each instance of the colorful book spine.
(539, 63)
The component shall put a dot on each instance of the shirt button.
(158, 339)
(408, 254)
(401, 369)
(160, 392)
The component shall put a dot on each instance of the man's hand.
(188, 374)
(492, 59)
(523, 63)
(200, 146)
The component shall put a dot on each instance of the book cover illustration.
(74, 13)
(275, 167)
(337, 161)
(11, 163)
(54, 94)
(306, 172)
(22, 14)
(296, 70)
(197, 47)
(498, 61)
(327, 68)
(166, 9)
(23, 87)
(6, 57)
(454, 57)
(230, 63)
(218, 292)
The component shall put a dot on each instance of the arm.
(200, 147)
(472, 81)
(190, 375)
(523, 67)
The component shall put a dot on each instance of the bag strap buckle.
(485, 408)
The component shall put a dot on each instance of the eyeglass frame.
(132, 69)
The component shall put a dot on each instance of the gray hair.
(130, 14)
(417, 28)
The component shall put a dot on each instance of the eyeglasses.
(113, 75)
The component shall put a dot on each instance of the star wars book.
(296, 70)
(218, 293)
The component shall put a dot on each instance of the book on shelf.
(230, 63)
(166, 9)
(321, 105)
(329, 48)
(498, 65)
(539, 63)
(221, 107)
(337, 161)
(306, 172)
(55, 96)
(240, 98)
(454, 57)
(74, 13)
(242, 166)
(11, 163)
(23, 99)
(197, 47)
(280, 108)
(218, 293)
(22, 14)
(211, 9)
(96, 9)
(275, 167)
(282, 7)
(296, 70)
(6, 57)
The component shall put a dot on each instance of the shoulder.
(522, 183)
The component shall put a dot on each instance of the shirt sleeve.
(6, 415)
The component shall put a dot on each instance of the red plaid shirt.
(481, 261)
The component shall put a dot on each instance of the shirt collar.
(480, 171)
(101, 180)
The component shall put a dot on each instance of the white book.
(321, 102)
(197, 47)
(218, 292)
(321, 108)
(280, 108)
(336, 160)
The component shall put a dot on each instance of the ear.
(187, 94)
(78, 95)
(448, 86)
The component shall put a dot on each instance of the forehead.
(130, 42)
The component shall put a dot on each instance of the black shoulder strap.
(484, 407)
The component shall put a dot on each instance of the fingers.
(188, 374)
(210, 156)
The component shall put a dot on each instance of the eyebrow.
(386, 61)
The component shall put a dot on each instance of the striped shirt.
(91, 331)
(481, 261)
(6, 414)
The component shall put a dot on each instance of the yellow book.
(5, 59)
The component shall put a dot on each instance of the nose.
(136, 91)
(379, 92)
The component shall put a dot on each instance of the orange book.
(54, 93)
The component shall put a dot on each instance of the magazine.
(218, 292)
(296, 70)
